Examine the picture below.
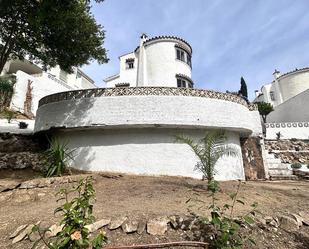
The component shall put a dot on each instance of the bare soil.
(146, 196)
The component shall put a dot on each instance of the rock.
(305, 216)
(17, 231)
(288, 223)
(141, 226)
(173, 221)
(98, 224)
(53, 230)
(188, 223)
(7, 185)
(23, 234)
(129, 226)
(268, 219)
(298, 219)
(157, 226)
(274, 223)
(116, 222)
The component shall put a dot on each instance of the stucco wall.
(145, 111)
(42, 86)
(145, 151)
(294, 83)
(299, 130)
(293, 110)
(158, 65)
(162, 65)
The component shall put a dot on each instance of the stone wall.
(289, 151)
(252, 158)
(21, 151)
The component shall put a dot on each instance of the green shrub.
(77, 214)
(296, 165)
(6, 90)
(9, 115)
(57, 157)
(223, 226)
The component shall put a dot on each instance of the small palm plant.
(57, 157)
(209, 149)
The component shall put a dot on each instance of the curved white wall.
(162, 65)
(146, 151)
(147, 111)
(294, 83)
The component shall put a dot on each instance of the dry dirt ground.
(145, 196)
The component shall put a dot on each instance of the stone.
(129, 226)
(173, 221)
(298, 219)
(117, 222)
(187, 223)
(141, 226)
(98, 224)
(23, 234)
(268, 219)
(17, 231)
(157, 226)
(53, 230)
(305, 216)
(288, 223)
(8, 185)
(274, 223)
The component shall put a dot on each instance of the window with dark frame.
(129, 63)
(183, 56)
(183, 82)
(272, 96)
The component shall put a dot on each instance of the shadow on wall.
(65, 112)
(82, 158)
(78, 112)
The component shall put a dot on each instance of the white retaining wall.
(148, 111)
(299, 130)
(146, 151)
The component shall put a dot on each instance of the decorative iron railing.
(143, 91)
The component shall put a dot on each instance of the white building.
(41, 83)
(130, 126)
(159, 61)
(289, 94)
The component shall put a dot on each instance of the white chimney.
(276, 74)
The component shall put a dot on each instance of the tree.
(209, 150)
(243, 88)
(50, 32)
(264, 109)
(6, 90)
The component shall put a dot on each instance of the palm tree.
(209, 150)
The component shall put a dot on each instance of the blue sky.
(230, 38)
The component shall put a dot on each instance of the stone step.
(273, 160)
(281, 177)
(279, 171)
(278, 166)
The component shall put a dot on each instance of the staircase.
(278, 170)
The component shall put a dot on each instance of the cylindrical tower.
(165, 61)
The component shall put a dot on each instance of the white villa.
(34, 83)
(289, 94)
(130, 126)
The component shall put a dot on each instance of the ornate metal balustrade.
(143, 91)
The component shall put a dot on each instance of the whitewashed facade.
(159, 61)
(130, 127)
(289, 95)
(42, 82)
